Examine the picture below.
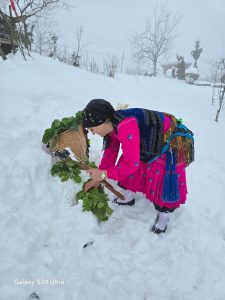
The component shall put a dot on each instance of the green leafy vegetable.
(96, 201)
(59, 126)
(67, 169)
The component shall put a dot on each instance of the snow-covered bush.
(191, 75)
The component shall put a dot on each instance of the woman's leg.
(162, 219)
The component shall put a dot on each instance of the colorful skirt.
(149, 179)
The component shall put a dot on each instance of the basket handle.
(113, 190)
(104, 182)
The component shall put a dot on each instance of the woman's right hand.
(91, 184)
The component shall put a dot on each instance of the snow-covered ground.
(42, 234)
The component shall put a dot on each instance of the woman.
(156, 149)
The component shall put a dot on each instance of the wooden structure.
(201, 83)
(168, 66)
(5, 46)
(8, 33)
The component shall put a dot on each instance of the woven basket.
(76, 140)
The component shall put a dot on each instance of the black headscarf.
(96, 112)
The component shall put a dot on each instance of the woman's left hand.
(95, 174)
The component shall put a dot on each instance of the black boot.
(121, 202)
(129, 198)
(158, 231)
(155, 228)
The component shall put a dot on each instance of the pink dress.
(134, 174)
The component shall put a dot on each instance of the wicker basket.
(76, 140)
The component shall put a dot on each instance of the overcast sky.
(109, 24)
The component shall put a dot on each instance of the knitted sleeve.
(110, 154)
(129, 137)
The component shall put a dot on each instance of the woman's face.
(102, 129)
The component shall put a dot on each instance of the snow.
(43, 232)
(192, 70)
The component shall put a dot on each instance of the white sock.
(162, 221)
(129, 195)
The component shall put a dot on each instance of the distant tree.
(53, 46)
(25, 31)
(158, 36)
(63, 56)
(111, 65)
(93, 66)
(76, 55)
(41, 35)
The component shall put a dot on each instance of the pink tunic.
(134, 174)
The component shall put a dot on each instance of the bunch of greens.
(59, 126)
(67, 169)
(96, 201)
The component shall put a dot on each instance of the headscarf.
(96, 112)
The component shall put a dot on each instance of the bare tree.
(158, 36)
(42, 33)
(111, 65)
(33, 8)
(36, 7)
(76, 55)
(90, 63)
(219, 86)
(53, 46)
(93, 66)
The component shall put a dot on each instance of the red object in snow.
(13, 7)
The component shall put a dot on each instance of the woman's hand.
(96, 174)
(91, 184)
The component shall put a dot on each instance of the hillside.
(42, 234)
